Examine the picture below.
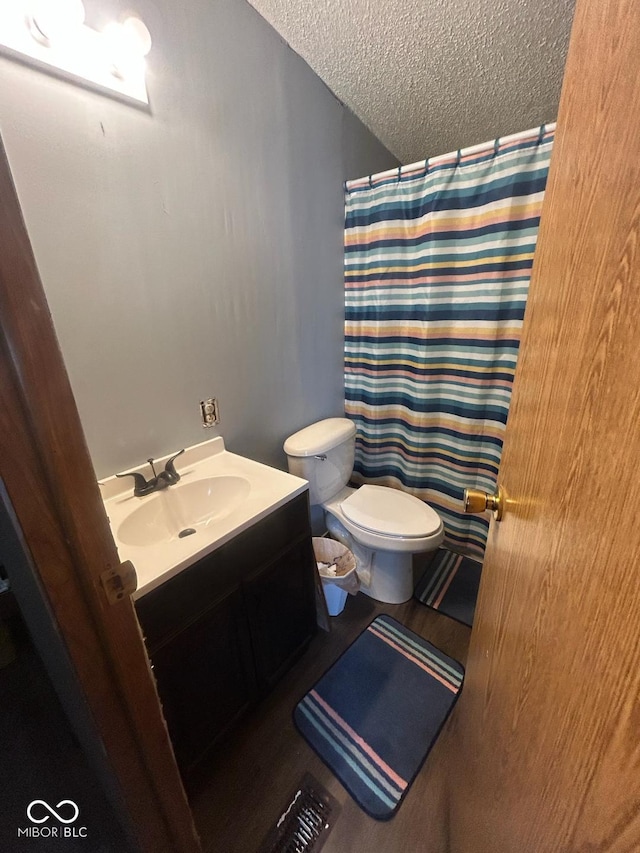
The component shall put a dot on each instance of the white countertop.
(157, 561)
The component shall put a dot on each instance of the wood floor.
(257, 769)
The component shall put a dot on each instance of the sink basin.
(219, 495)
(183, 510)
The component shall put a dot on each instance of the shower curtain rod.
(464, 152)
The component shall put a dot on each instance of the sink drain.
(186, 532)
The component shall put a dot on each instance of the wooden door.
(548, 756)
(48, 483)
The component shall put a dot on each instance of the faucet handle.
(170, 474)
(140, 485)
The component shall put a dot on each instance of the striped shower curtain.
(437, 267)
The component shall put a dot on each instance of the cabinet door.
(205, 678)
(280, 602)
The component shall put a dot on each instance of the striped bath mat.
(450, 585)
(374, 716)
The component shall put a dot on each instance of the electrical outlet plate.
(209, 412)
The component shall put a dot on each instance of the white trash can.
(337, 569)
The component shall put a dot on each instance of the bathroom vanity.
(223, 623)
(222, 632)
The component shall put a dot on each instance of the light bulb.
(137, 35)
(127, 44)
(52, 20)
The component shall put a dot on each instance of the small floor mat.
(305, 822)
(375, 714)
(450, 585)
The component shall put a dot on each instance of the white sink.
(183, 510)
(219, 495)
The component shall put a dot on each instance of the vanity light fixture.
(51, 35)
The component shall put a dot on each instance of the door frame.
(49, 477)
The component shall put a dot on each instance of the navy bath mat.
(374, 716)
(450, 585)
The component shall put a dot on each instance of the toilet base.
(391, 579)
(386, 576)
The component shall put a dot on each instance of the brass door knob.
(477, 501)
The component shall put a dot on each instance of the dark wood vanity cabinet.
(223, 631)
(205, 678)
(277, 628)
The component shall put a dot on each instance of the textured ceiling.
(431, 76)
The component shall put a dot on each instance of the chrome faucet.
(168, 477)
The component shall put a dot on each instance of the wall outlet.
(209, 412)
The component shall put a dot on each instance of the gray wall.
(195, 251)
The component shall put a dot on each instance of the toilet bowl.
(383, 527)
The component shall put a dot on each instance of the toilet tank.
(323, 454)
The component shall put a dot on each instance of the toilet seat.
(391, 513)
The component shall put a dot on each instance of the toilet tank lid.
(320, 437)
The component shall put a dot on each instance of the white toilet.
(383, 527)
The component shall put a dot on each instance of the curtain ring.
(426, 168)
(399, 173)
(458, 157)
(496, 146)
(370, 184)
(345, 188)
(541, 134)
